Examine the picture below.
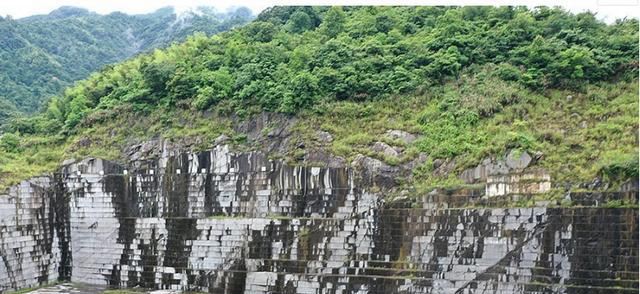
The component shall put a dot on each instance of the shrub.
(621, 169)
(10, 142)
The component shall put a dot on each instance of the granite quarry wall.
(30, 236)
(221, 222)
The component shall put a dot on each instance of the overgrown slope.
(41, 55)
(471, 82)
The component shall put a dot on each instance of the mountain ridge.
(42, 54)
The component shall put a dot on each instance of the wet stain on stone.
(181, 231)
(124, 199)
(62, 223)
(149, 260)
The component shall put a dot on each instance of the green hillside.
(41, 55)
(471, 81)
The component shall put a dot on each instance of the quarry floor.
(68, 288)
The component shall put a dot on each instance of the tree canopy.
(293, 57)
(41, 55)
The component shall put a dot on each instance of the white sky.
(607, 10)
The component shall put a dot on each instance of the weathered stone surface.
(222, 139)
(509, 176)
(324, 158)
(443, 167)
(144, 150)
(518, 159)
(324, 137)
(368, 163)
(514, 162)
(416, 162)
(530, 182)
(478, 173)
(385, 149)
(375, 172)
(225, 222)
(68, 161)
(29, 246)
(270, 131)
(406, 137)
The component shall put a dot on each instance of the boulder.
(518, 160)
(324, 137)
(384, 148)
(406, 137)
(368, 164)
(437, 163)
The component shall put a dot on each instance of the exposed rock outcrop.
(324, 137)
(403, 136)
(512, 174)
(323, 158)
(374, 172)
(517, 160)
(385, 149)
(225, 222)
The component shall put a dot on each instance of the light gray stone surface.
(385, 149)
(518, 160)
(406, 137)
(28, 245)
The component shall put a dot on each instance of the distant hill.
(41, 55)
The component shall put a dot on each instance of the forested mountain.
(470, 82)
(40, 55)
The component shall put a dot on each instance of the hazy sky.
(608, 10)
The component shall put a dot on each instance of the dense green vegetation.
(473, 81)
(41, 55)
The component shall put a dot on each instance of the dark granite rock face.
(221, 222)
